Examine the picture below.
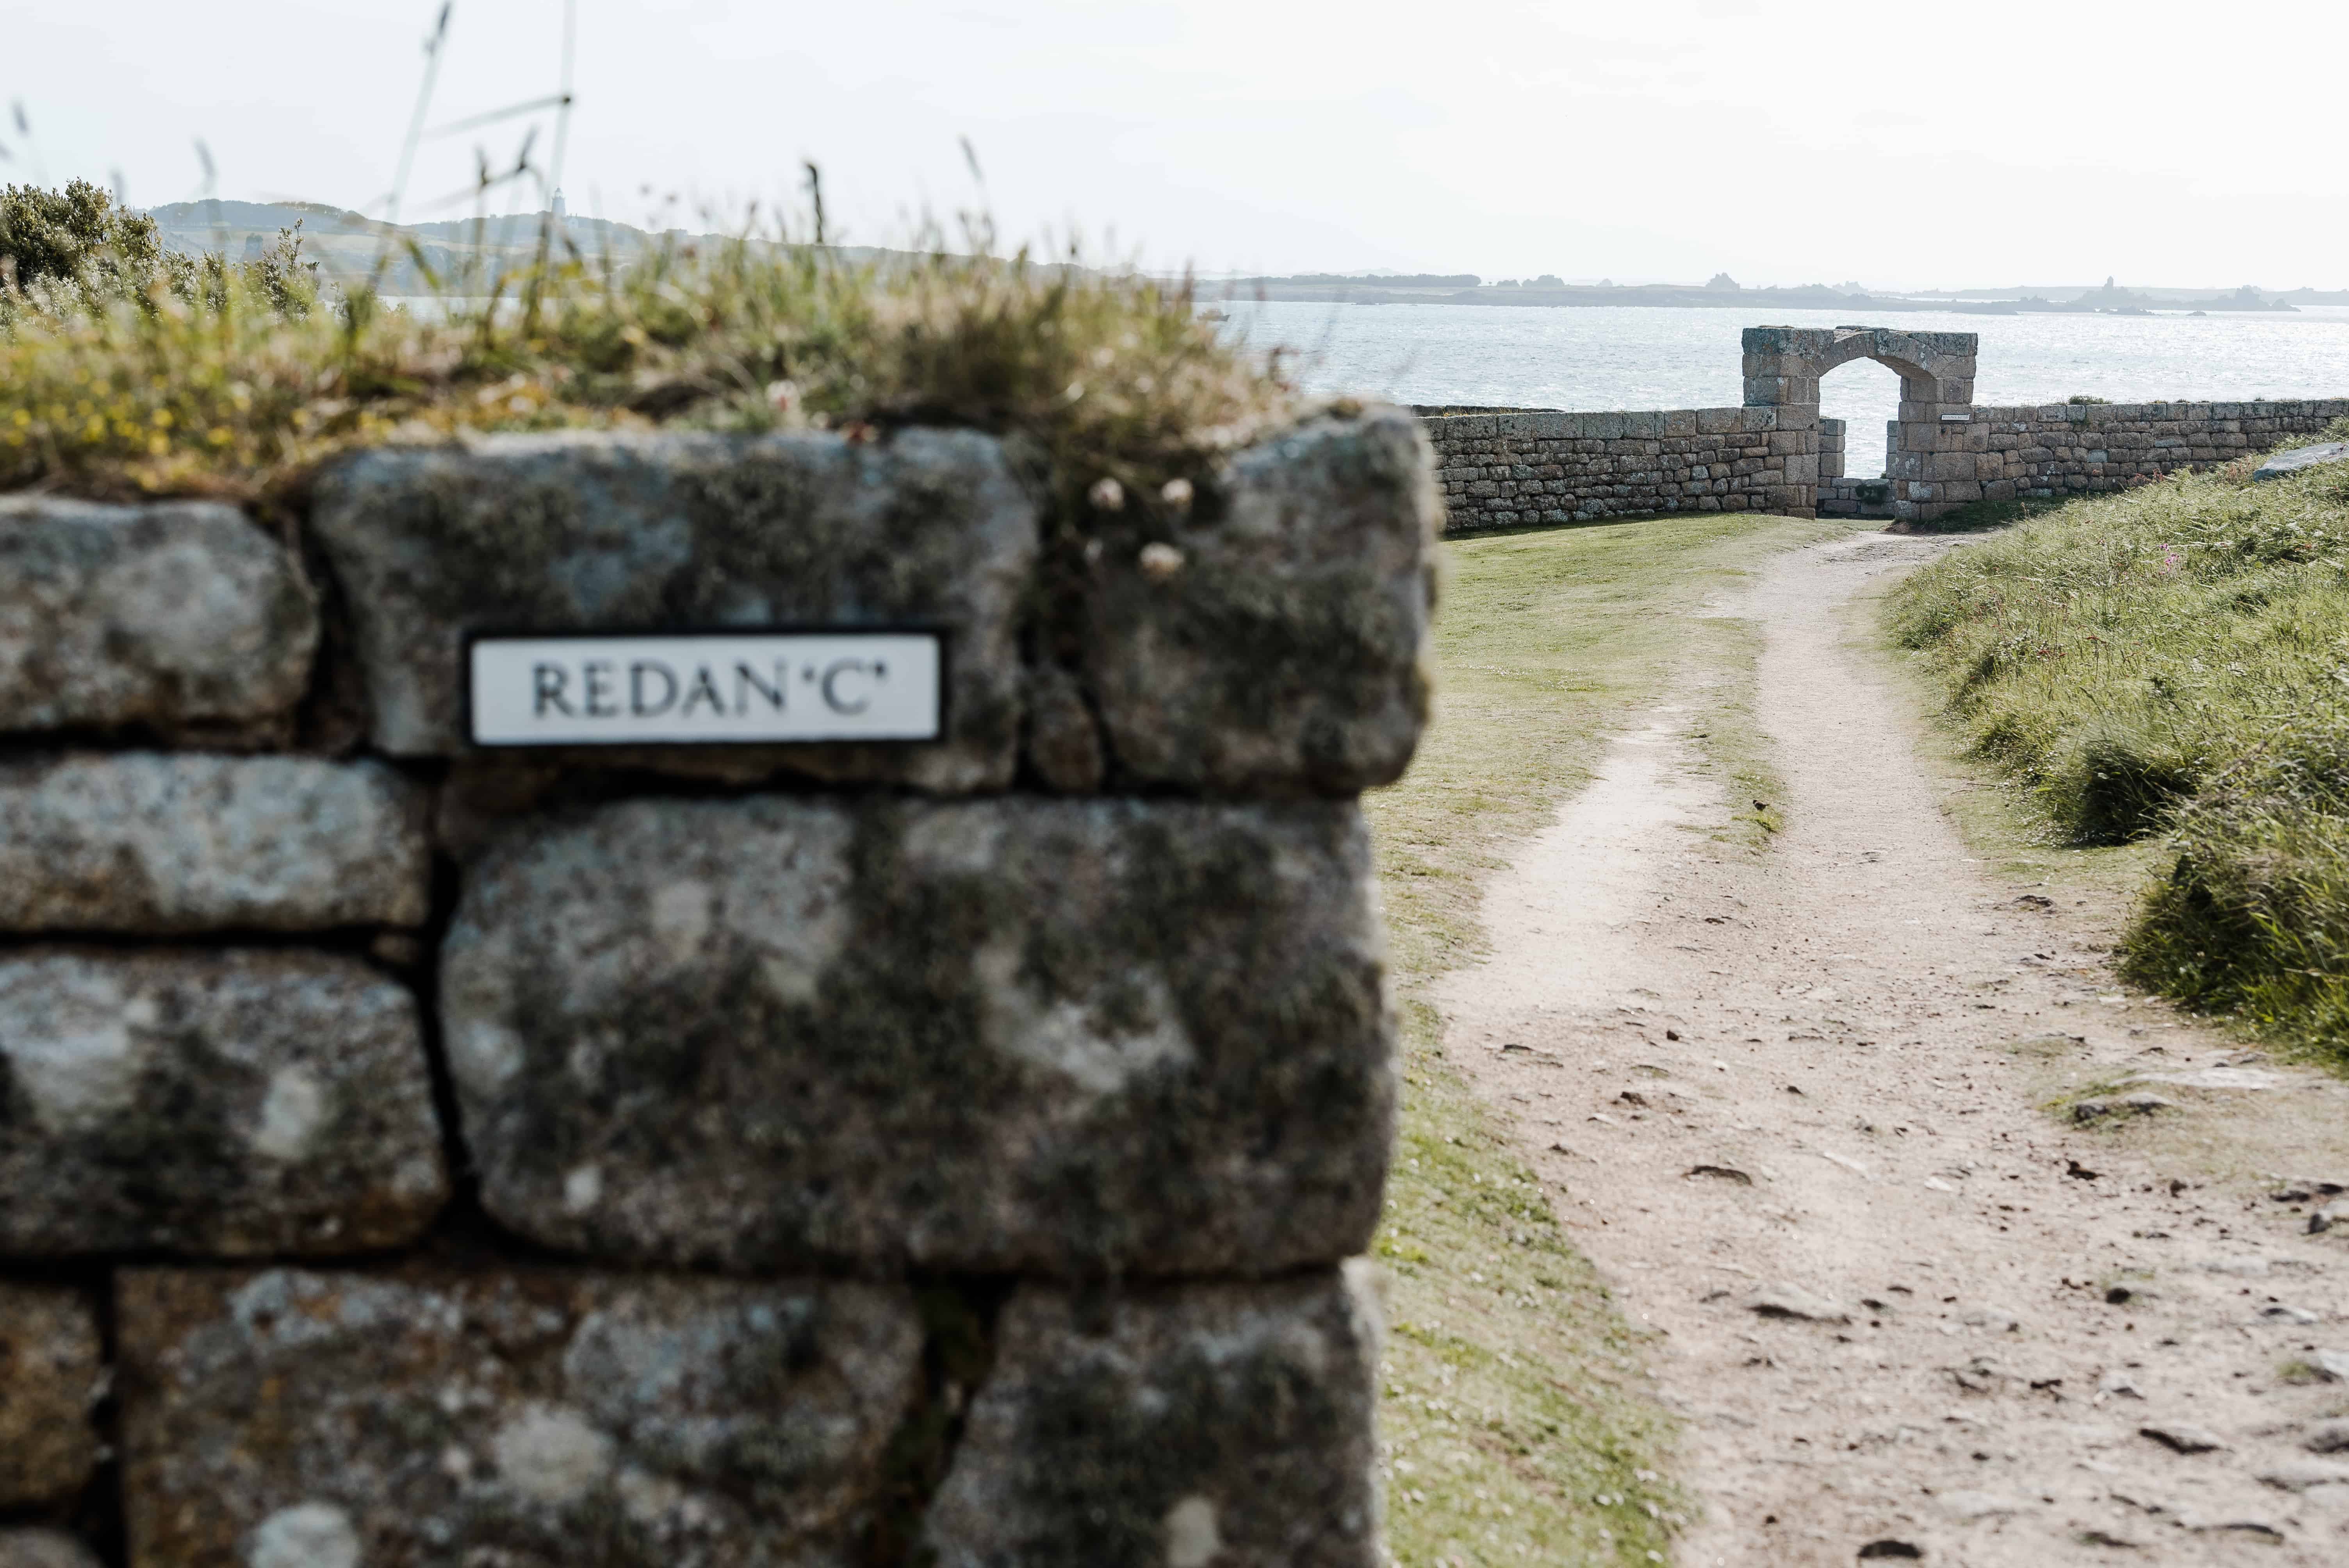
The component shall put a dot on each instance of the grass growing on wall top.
(1517, 1420)
(2174, 661)
(131, 374)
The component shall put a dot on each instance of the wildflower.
(1107, 495)
(1177, 494)
(1159, 561)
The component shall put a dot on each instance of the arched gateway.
(1928, 464)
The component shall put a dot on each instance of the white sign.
(707, 689)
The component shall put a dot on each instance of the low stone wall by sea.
(1502, 470)
(2067, 448)
(2056, 450)
(951, 1151)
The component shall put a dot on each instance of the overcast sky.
(1988, 143)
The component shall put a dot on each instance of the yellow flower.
(219, 436)
(158, 444)
(162, 417)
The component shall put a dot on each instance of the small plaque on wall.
(714, 688)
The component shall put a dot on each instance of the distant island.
(1724, 292)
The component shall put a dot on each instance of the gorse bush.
(2175, 659)
(127, 374)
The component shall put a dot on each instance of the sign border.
(936, 631)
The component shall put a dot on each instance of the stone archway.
(1930, 466)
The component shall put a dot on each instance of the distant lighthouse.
(560, 212)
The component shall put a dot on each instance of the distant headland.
(1723, 291)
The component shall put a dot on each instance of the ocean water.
(1604, 356)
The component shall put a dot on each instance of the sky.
(1901, 146)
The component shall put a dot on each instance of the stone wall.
(1777, 454)
(2056, 450)
(2071, 449)
(1505, 469)
(852, 1154)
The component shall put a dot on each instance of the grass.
(2168, 667)
(1518, 1422)
(134, 376)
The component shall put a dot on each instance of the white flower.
(1107, 495)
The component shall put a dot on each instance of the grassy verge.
(2171, 665)
(1516, 1418)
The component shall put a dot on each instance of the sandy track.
(1829, 1033)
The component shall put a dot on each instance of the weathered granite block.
(1281, 646)
(1220, 1424)
(146, 842)
(50, 1364)
(1064, 1036)
(652, 532)
(221, 1103)
(43, 1548)
(168, 615)
(294, 1420)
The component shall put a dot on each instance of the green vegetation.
(2174, 661)
(73, 235)
(1516, 1415)
(73, 254)
(128, 370)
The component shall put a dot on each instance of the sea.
(1610, 356)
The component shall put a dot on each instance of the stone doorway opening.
(1858, 421)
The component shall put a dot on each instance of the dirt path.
(1796, 1108)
